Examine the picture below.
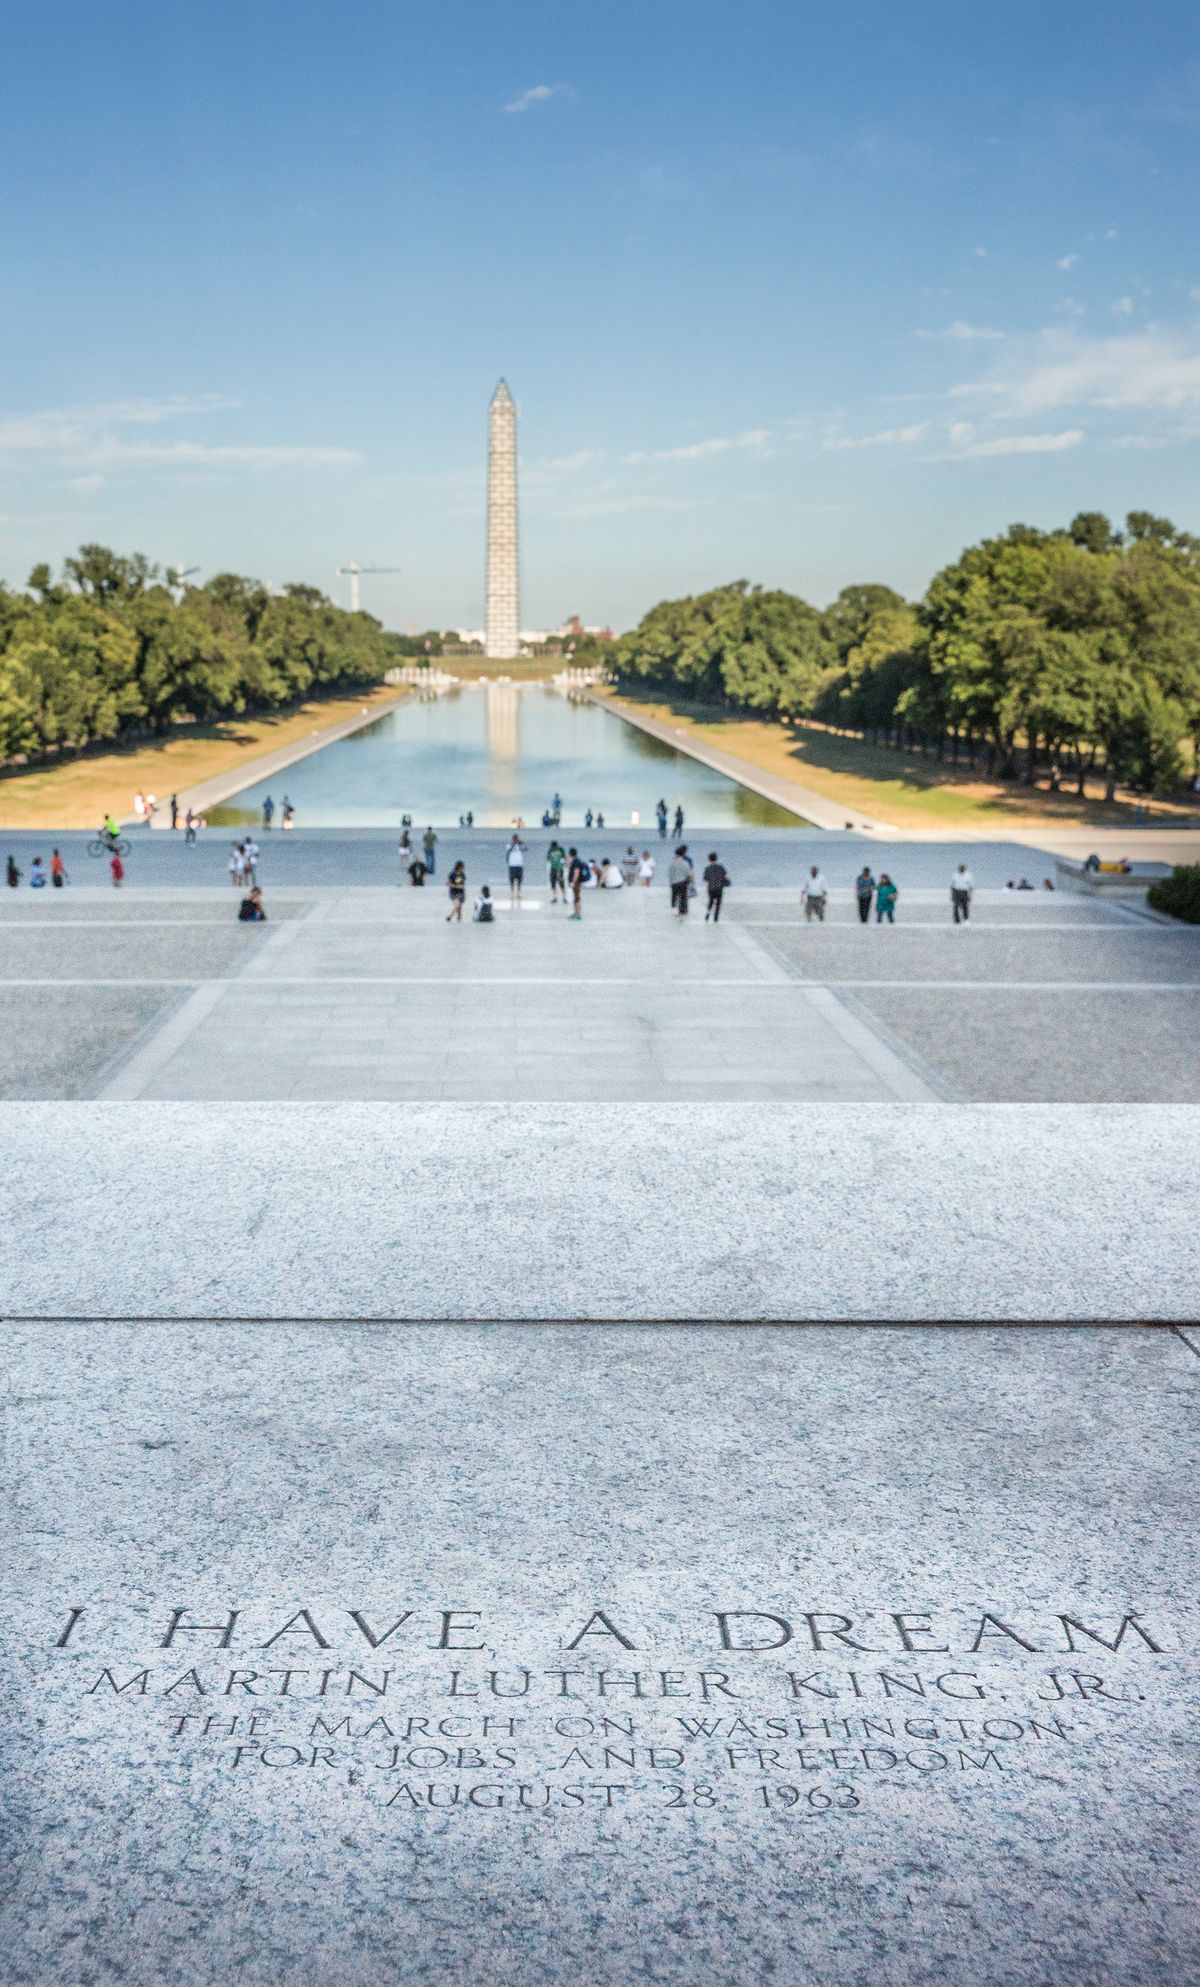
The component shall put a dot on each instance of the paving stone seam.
(320, 1321)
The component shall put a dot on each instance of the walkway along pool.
(501, 751)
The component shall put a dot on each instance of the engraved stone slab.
(612, 1654)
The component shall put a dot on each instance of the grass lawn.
(907, 790)
(522, 669)
(77, 793)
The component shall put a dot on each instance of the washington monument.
(502, 606)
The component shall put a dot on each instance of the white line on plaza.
(239, 982)
(132, 1077)
(902, 1079)
(117, 924)
(973, 924)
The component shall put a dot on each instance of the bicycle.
(103, 845)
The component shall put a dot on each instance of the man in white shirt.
(516, 866)
(961, 885)
(814, 892)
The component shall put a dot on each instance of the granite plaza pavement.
(366, 1620)
(357, 989)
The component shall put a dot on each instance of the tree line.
(1056, 656)
(116, 649)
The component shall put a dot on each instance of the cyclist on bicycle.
(109, 830)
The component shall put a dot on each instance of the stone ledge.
(732, 1213)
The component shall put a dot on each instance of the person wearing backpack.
(485, 910)
(577, 876)
(457, 886)
(885, 900)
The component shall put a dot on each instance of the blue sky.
(794, 293)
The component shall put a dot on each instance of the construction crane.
(352, 572)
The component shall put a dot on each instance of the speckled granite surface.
(731, 1211)
(938, 1772)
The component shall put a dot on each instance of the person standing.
(576, 875)
(588, 818)
(962, 884)
(646, 869)
(12, 875)
(716, 876)
(174, 810)
(864, 890)
(679, 876)
(250, 855)
(629, 866)
(287, 812)
(516, 867)
(139, 808)
(815, 892)
(429, 844)
(885, 900)
(556, 863)
(456, 883)
(189, 829)
(116, 870)
(679, 820)
(58, 873)
(236, 866)
(661, 816)
(268, 812)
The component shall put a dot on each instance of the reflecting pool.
(501, 751)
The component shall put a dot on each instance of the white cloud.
(751, 438)
(540, 93)
(58, 428)
(1151, 369)
(885, 438)
(981, 252)
(93, 437)
(963, 333)
(1019, 445)
(1068, 261)
(1123, 307)
(251, 455)
(1071, 307)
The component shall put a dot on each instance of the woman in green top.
(885, 900)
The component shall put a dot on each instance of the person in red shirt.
(117, 868)
(58, 874)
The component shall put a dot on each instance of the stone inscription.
(802, 1714)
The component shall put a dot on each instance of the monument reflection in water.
(502, 750)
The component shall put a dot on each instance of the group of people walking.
(243, 862)
(569, 874)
